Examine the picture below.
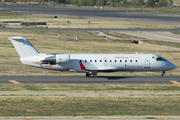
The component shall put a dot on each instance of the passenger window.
(110, 60)
(105, 61)
(90, 60)
(136, 60)
(130, 60)
(114, 60)
(120, 60)
(100, 60)
(95, 60)
(125, 60)
(85, 60)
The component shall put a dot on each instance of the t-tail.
(23, 47)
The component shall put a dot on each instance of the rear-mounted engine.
(56, 59)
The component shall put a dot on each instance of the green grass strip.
(163, 43)
(99, 105)
(89, 88)
(175, 32)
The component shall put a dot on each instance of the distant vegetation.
(175, 32)
(110, 3)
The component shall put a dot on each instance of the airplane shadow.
(114, 77)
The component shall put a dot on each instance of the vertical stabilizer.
(23, 47)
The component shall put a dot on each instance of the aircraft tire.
(92, 75)
(87, 75)
(163, 72)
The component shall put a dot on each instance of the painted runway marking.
(15, 82)
(175, 82)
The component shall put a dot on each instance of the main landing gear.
(91, 74)
(163, 72)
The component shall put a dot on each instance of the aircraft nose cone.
(172, 66)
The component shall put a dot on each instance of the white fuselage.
(91, 64)
(105, 62)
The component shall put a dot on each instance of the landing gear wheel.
(163, 72)
(92, 75)
(87, 75)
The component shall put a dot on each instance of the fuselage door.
(105, 60)
(147, 63)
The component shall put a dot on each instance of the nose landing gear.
(163, 72)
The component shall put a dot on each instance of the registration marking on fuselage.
(15, 82)
(175, 82)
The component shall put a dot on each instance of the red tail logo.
(81, 65)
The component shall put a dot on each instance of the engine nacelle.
(62, 58)
(57, 59)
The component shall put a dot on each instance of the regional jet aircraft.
(90, 64)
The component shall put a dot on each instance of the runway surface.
(85, 80)
(160, 18)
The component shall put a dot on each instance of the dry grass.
(120, 35)
(83, 88)
(63, 42)
(169, 10)
(90, 105)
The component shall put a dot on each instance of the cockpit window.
(160, 59)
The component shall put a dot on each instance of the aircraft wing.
(95, 69)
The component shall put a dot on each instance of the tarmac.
(92, 13)
(154, 35)
(86, 80)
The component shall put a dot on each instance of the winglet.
(81, 65)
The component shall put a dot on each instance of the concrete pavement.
(91, 13)
(153, 35)
(85, 80)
